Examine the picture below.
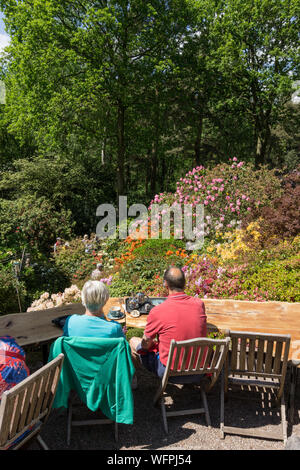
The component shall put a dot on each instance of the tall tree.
(259, 54)
(74, 68)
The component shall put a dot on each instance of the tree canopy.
(148, 89)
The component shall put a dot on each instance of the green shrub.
(280, 280)
(157, 248)
(144, 271)
(138, 332)
(71, 259)
(8, 292)
(43, 276)
(281, 220)
(121, 287)
(34, 223)
(77, 185)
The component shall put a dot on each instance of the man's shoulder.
(187, 298)
(197, 300)
(158, 308)
(198, 304)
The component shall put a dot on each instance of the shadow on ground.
(185, 432)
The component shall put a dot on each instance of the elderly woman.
(93, 323)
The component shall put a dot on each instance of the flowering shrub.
(201, 276)
(207, 279)
(228, 192)
(246, 212)
(279, 280)
(236, 244)
(70, 295)
(86, 267)
(282, 219)
(148, 258)
(159, 248)
(130, 246)
(234, 269)
(78, 265)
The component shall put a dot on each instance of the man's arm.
(151, 330)
(147, 342)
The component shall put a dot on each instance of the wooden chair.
(86, 422)
(196, 357)
(25, 408)
(257, 362)
(85, 380)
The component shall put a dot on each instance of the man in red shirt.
(180, 317)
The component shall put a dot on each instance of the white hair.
(94, 295)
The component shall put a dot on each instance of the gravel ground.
(185, 433)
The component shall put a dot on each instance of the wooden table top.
(241, 315)
(36, 327)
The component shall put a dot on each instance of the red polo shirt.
(179, 317)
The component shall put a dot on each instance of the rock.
(293, 442)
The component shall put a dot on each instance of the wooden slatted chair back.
(197, 356)
(263, 356)
(27, 405)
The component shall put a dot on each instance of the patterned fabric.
(12, 364)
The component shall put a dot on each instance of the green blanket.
(100, 370)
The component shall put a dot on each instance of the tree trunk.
(103, 149)
(148, 175)
(155, 143)
(154, 162)
(262, 143)
(163, 173)
(198, 141)
(121, 150)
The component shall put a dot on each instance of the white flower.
(49, 305)
(59, 301)
(44, 296)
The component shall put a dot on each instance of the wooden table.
(30, 328)
(260, 317)
(36, 328)
(33, 328)
(241, 315)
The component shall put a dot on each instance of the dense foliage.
(139, 92)
(242, 260)
(181, 102)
